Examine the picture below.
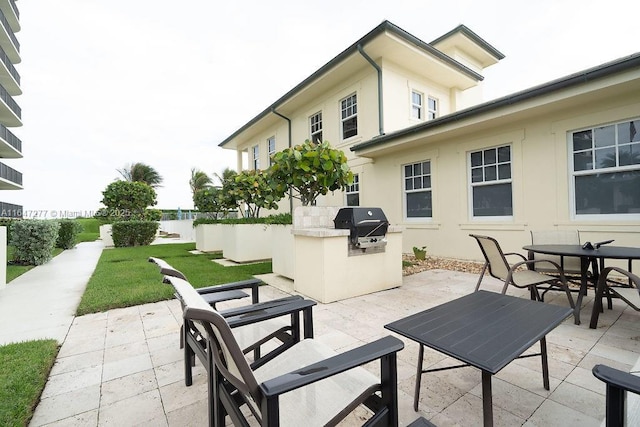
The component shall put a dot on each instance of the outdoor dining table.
(484, 329)
(595, 257)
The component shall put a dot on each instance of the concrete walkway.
(42, 302)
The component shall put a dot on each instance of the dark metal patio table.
(587, 256)
(484, 329)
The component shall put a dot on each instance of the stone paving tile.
(63, 406)
(142, 409)
(72, 380)
(551, 413)
(586, 401)
(127, 386)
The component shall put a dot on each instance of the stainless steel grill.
(367, 226)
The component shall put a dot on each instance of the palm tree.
(227, 174)
(141, 172)
(199, 180)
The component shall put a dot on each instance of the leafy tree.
(226, 175)
(252, 189)
(126, 200)
(141, 172)
(212, 200)
(311, 170)
(199, 181)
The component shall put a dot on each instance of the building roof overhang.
(615, 78)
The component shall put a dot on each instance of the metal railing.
(11, 139)
(10, 174)
(9, 210)
(7, 62)
(9, 31)
(8, 99)
(15, 8)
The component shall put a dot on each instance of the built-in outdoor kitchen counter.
(330, 267)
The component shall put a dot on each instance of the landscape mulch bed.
(433, 263)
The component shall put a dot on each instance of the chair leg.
(484, 268)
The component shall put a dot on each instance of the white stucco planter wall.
(209, 237)
(325, 272)
(105, 235)
(283, 250)
(246, 242)
(183, 227)
(3, 257)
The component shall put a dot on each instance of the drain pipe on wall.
(379, 70)
(273, 110)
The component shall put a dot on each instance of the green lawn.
(24, 369)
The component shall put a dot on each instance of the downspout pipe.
(273, 110)
(379, 70)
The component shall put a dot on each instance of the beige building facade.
(443, 164)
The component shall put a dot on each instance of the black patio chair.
(623, 409)
(629, 294)
(308, 384)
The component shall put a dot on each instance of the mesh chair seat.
(526, 278)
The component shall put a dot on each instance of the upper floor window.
(417, 190)
(432, 105)
(491, 194)
(353, 192)
(349, 116)
(605, 170)
(315, 127)
(271, 147)
(417, 106)
(255, 155)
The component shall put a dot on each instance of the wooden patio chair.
(497, 265)
(271, 324)
(308, 384)
(630, 294)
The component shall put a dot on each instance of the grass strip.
(24, 368)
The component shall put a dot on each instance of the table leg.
(545, 363)
(416, 395)
(487, 399)
(584, 266)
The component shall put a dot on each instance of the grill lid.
(362, 222)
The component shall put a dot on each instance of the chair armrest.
(617, 378)
(236, 311)
(602, 279)
(332, 366)
(252, 284)
(516, 254)
(269, 312)
(532, 262)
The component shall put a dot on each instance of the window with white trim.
(605, 169)
(352, 192)
(432, 108)
(255, 156)
(349, 116)
(491, 193)
(417, 190)
(315, 127)
(271, 148)
(417, 105)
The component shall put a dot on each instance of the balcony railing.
(9, 210)
(10, 174)
(8, 99)
(15, 8)
(10, 138)
(7, 27)
(7, 62)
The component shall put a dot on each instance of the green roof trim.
(613, 67)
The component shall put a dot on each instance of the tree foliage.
(252, 190)
(199, 181)
(212, 200)
(141, 172)
(126, 200)
(311, 170)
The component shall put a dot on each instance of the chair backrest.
(493, 255)
(570, 265)
(166, 269)
(227, 354)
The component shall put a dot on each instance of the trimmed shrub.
(34, 240)
(8, 222)
(69, 230)
(133, 233)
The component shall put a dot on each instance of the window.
(315, 125)
(353, 192)
(416, 105)
(491, 182)
(349, 116)
(606, 169)
(433, 108)
(255, 155)
(271, 147)
(417, 190)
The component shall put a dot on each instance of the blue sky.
(107, 83)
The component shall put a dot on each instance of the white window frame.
(419, 190)
(497, 181)
(432, 112)
(594, 170)
(348, 112)
(271, 148)
(354, 188)
(255, 156)
(315, 127)
(416, 107)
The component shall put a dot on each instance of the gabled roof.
(463, 38)
(384, 27)
(620, 65)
